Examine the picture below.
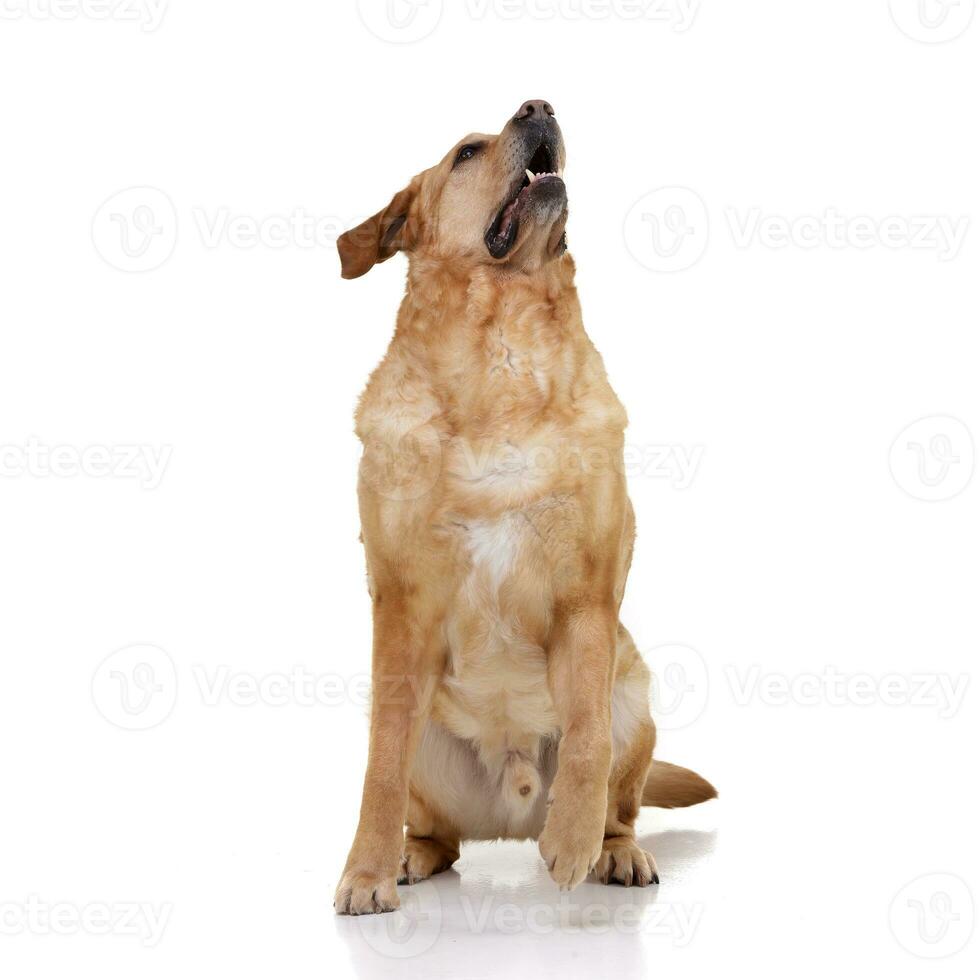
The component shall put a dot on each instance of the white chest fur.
(496, 690)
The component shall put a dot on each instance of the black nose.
(536, 109)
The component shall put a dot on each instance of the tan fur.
(671, 786)
(508, 700)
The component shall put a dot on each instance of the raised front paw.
(571, 843)
(364, 892)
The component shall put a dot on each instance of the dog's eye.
(466, 152)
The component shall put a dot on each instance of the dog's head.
(491, 199)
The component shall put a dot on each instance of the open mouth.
(540, 170)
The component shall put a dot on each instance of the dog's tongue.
(507, 217)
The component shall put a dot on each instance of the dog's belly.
(453, 782)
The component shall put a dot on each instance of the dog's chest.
(495, 432)
(496, 685)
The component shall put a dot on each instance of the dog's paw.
(362, 893)
(624, 862)
(570, 847)
(423, 858)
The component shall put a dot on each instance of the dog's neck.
(489, 357)
(495, 345)
(447, 304)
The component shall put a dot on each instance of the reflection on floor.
(497, 913)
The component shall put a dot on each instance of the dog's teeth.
(532, 177)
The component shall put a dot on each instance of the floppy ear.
(379, 237)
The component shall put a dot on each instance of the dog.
(508, 701)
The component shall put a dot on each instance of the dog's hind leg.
(431, 844)
(622, 860)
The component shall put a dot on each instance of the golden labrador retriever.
(508, 701)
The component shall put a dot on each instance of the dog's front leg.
(406, 665)
(581, 660)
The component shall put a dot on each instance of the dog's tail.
(669, 786)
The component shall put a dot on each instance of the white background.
(805, 553)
